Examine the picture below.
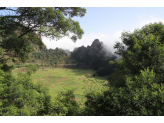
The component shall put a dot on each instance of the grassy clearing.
(62, 79)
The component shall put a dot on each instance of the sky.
(107, 24)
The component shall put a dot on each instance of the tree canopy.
(18, 35)
(21, 30)
(144, 49)
(136, 86)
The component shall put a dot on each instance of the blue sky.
(107, 24)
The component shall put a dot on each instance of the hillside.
(18, 32)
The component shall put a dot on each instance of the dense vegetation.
(136, 85)
(95, 57)
(51, 56)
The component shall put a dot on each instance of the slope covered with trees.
(51, 56)
(18, 95)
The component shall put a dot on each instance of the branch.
(2, 8)
(27, 31)
(5, 8)
(24, 12)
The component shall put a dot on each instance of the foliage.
(19, 33)
(20, 96)
(96, 60)
(145, 49)
(12, 45)
(65, 105)
(51, 56)
(102, 71)
(136, 83)
(141, 97)
(119, 73)
(31, 69)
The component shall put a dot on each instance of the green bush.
(95, 74)
(37, 65)
(21, 97)
(102, 71)
(141, 97)
(65, 105)
(119, 82)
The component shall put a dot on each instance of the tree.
(19, 95)
(144, 49)
(137, 82)
(2, 7)
(20, 31)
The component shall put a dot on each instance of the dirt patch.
(82, 78)
(45, 84)
(66, 85)
(76, 99)
(61, 79)
(77, 83)
(83, 106)
(45, 79)
(52, 87)
(89, 84)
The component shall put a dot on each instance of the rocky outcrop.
(96, 48)
(90, 53)
(36, 47)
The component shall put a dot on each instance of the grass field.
(62, 79)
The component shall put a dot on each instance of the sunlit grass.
(62, 79)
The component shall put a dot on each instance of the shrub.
(21, 97)
(102, 71)
(141, 97)
(37, 65)
(65, 105)
(94, 74)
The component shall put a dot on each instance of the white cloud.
(87, 39)
(142, 21)
(108, 39)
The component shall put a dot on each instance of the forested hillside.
(46, 56)
(94, 56)
(51, 57)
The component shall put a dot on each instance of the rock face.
(35, 46)
(90, 53)
(96, 48)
